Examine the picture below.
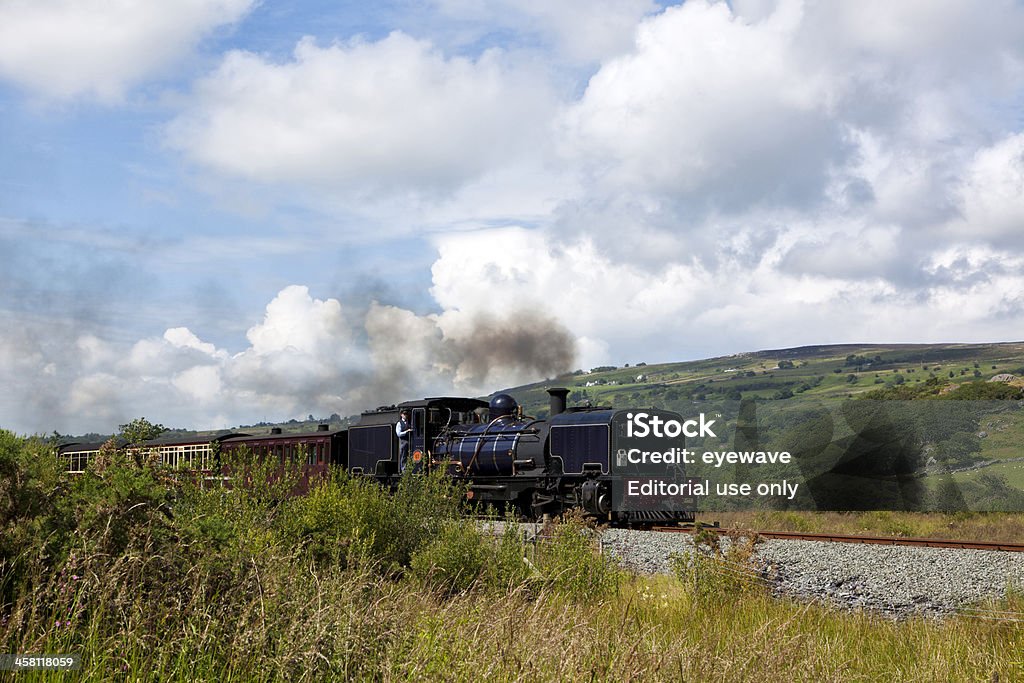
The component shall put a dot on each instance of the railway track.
(866, 540)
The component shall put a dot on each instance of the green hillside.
(818, 372)
(923, 419)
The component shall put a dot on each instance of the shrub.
(509, 567)
(30, 484)
(354, 521)
(568, 560)
(454, 560)
(714, 572)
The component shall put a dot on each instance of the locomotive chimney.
(275, 430)
(323, 428)
(557, 401)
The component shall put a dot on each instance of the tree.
(139, 430)
(960, 448)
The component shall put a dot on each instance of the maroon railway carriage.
(316, 451)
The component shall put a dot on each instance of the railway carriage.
(191, 452)
(77, 456)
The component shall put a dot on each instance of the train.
(575, 457)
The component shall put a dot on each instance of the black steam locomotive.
(575, 458)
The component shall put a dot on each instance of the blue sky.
(242, 210)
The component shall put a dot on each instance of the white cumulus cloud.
(785, 103)
(993, 193)
(620, 312)
(69, 48)
(394, 116)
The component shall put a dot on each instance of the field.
(1012, 473)
(151, 578)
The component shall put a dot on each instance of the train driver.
(403, 429)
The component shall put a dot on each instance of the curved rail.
(872, 540)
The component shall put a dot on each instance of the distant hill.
(832, 371)
(965, 454)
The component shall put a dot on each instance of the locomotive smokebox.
(557, 401)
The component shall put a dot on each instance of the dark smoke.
(530, 343)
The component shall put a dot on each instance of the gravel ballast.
(895, 580)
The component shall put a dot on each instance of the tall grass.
(152, 579)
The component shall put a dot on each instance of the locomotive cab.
(373, 443)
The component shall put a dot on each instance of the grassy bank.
(154, 579)
(968, 526)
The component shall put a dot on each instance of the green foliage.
(117, 504)
(30, 481)
(947, 496)
(992, 492)
(139, 430)
(931, 387)
(509, 567)
(985, 391)
(960, 448)
(454, 560)
(353, 522)
(569, 562)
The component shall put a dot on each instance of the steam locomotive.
(575, 458)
